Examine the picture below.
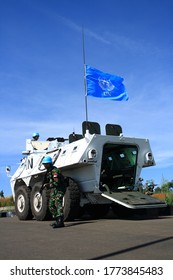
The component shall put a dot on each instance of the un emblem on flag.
(106, 86)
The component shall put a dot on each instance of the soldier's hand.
(46, 185)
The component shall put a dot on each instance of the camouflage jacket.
(55, 179)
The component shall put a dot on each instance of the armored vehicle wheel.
(71, 201)
(39, 204)
(22, 203)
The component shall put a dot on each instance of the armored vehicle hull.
(101, 171)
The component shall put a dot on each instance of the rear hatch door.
(134, 199)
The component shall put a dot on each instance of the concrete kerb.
(8, 211)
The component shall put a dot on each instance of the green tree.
(1, 193)
(157, 190)
(167, 187)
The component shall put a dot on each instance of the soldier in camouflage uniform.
(54, 181)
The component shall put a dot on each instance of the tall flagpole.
(85, 85)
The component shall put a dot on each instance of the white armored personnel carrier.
(101, 171)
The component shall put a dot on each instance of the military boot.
(59, 222)
(53, 224)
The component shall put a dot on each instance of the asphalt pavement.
(104, 239)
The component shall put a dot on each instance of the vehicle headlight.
(149, 159)
(92, 154)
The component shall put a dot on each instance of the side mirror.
(8, 169)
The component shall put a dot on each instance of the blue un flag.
(104, 85)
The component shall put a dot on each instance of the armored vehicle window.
(93, 127)
(113, 129)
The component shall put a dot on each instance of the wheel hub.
(21, 203)
(37, 202)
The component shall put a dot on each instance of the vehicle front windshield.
(118, 167)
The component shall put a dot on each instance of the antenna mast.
(85, 85)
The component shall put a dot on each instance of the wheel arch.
(37, 179)
(20, 183)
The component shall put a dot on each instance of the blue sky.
(41, 73)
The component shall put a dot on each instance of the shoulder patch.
(55, 176)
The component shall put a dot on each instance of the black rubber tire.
(71, 201)
(22, 203)
(39, 204)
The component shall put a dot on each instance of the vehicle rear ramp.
(133, 199)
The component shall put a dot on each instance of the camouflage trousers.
(56, 203)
